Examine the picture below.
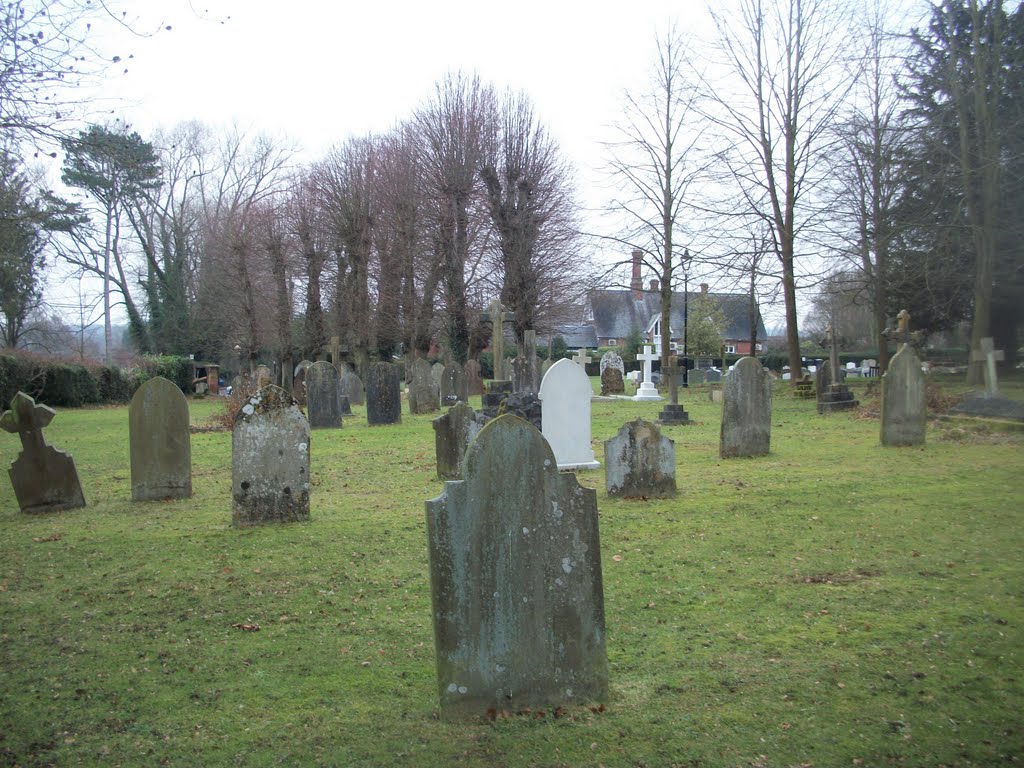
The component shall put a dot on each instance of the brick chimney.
(703, 287)
(636, 285)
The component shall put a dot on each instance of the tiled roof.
(616, 312)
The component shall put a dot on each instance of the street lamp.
(686, 298)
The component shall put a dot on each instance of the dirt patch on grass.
(844, 577)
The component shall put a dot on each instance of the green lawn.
(835, 603)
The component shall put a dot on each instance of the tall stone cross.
(497, 315)
(648, 357)
(673, 370)
(989, 356)
(903, 330)
(833, 354)
(581, 358)
(44, 478)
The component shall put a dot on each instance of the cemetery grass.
(834, 603)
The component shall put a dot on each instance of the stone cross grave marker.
(647, 390)
(159, 444)
(44, 479)
(988, 355)
(424, 397)
(497, 315)
(452, 434)
(323, 396)
(673, 412)
(269, 460)
(515, 580)
(581, 358)
(383, 397)
(746, 410)
(565, 418)
(352, 386)
(904, 403)
(640, 462)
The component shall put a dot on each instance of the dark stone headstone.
(612, 382)
(695, 377)
(712, 375)
(383, 398)
(44, 479)
(453, 385)
(323, 396)
(452, 434)
(159, 444)
(640, 462)
(746, 410)
(352, 387)
(269, 460)
(515, 574)
(832, 397)
(495, 395)
(424, 395)
(474, 383)
(904, 405)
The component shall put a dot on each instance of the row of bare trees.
(221, 245)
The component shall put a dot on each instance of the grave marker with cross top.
(989, 356)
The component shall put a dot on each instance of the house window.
(613, 342)
(730, 349)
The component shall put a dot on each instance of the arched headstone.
(159, 444)
(565, 395)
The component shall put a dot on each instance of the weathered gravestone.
(695, 378)
(640, 462)
(988, 356)
(383, 398)
(159, 445)
(424, 396)
(269, 460)
(711, 375)
(436, 374)
(673, 412)
(515, 580)
(500, 365)
(612, 382)
(746, 410)
(526, 367)
(474, 382)
(44, 478)
(299, 381)
(611, 358)
(452, 434)
(565, 396)
(904, 405)
(263, 376)
(352, 387)
(453, 385)
(833, 394)
(323, 395)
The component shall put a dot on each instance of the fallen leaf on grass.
(51, 537)
(617, 558)
(247, 627)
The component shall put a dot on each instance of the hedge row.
(69, 385)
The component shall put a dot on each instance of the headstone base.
(673, 413)
(837, 397)
(647, 391)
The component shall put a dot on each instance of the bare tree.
(785, 55)
(655, 160)
(530, 198)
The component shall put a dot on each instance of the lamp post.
(686, 298)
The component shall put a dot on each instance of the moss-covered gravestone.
(904, 401)
(453, 433)
(160, 446)
(515, 578)
(44, 478)
(746, 410)
(323, 395)
(640, 462)
(383, 398)
(352, 386)
(269, 460)
(424, 394)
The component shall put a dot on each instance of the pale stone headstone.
(647, 390)
(904, 405)
(436, 374)
(988, 355)
(515, 575)
(453, 385)
(323, 395)
(424, 396)
(565, 395)
(383, 398)
(159, 444)
(269, 460)
(352, 387)
(44, 479)
(263, 376)
(612, 358)
(746, 410)
(452, 435)
(474, 382)
(299, 381)
(640, 462)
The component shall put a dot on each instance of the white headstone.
(647, 390)
(565, 395)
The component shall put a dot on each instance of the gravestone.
(299, 381)
(581, 358)
(673, 412)
(647, 390)
(269, 460)
(352, 386)
(640, 462)
(453, 385)
(383, 397)
(711, 375)
(473, 382)
(436, 374)
(565, 396)
(545, 367)
(497, 315)
(44, 479)
(833, 395)
(524, 374)
(323, 396)
(263, 376)
(611, 358)
(746, 410)
(988, 356)
(904, 404)
(612, 382)
(452, 435)
(423, 396)
(695, 378)
(515, 580)
(159, 445)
